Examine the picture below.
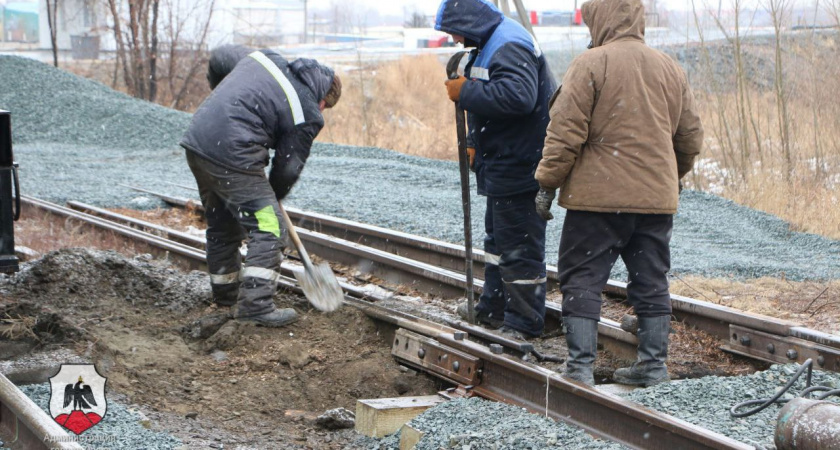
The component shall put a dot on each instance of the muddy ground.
(237, 384)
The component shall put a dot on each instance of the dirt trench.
(208, 381)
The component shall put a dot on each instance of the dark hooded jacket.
(506, 96)
(625, 127)
(264, 103)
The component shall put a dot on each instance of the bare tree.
(52, 22)
(778, 10)
(746, 120)
(185, 57)
(137, 28)
(417, 20)
(833, 9)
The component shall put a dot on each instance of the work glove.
(544, 200)
(453, 88)
(471, 154)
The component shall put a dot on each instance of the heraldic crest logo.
(77, 397)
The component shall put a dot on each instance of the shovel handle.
(307, 263)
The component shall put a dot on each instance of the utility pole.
(305, 21)
(521, 11)
(523, 16)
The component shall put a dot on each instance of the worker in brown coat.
(624, 130)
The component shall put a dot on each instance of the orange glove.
(471, 154)
(453, 88)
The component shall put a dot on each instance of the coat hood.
(319, 78)
(474, 19)
(222, 61)
(613, 20)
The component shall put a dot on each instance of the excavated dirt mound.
(238, 384)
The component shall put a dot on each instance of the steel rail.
(186, 255)
(24, 425)
(496, 376)
(443, 276)
(707, 316)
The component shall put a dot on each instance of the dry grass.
(400, 105)
(44, 233)
(803, 191)
(815, 305)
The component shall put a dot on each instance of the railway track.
(437, 267)
(446, 352)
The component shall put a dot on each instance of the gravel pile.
(479, 424)
(139, 281)
(683, 400)
(50, 105)
(122, 427)
(476, 424)
(116, 139)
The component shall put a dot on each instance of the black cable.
(764, 403)
(829, 394)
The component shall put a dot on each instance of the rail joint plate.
(432, 356)
(781, 349)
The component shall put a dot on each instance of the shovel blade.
(320, 287)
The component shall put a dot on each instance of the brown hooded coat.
(624, 127)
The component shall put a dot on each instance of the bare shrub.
(399, 105)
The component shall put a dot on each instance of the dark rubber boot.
(525, 308)
(225, 294)
(582, 340)
(649, 369)
(275, 319)
(484, 319)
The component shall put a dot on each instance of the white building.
(249, 22)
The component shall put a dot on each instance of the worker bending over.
(259, 102)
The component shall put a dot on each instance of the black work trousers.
(590, 244)
(239, 206)
(514, 270)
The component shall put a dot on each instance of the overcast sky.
(396, 7)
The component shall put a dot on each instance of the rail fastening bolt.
(746, 341)
(456, 366)
(792, 354)
(496, 349)
(821, 360)
(421, 353)
(771, 349)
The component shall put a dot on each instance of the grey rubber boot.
(650, 368)
(582, 340)
(275, 319)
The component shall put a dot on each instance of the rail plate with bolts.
(782, 350)
(428, 354)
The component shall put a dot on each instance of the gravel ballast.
(479, 424)
(78, 140)
(122, 427)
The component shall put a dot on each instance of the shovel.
(464, 166)
(318, 282)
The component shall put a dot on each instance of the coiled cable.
(807, 367)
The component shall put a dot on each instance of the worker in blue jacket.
(505, 91)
